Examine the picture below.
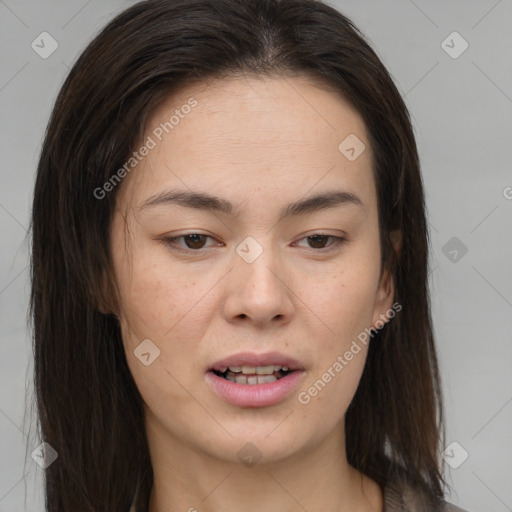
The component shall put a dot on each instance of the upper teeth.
(254, 370)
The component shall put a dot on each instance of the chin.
(267, 443)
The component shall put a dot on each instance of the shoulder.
(402, 496)
(453, 508)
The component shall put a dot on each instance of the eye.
(193, 241)
(318, 241)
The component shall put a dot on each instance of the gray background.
(461, 110)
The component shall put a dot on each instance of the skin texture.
(260, 143)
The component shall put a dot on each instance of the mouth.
(252, 375)
(255, 380)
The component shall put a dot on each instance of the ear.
(386, 291)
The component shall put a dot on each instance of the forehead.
(244, 134)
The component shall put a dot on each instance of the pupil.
(187, 240)
(316, 237)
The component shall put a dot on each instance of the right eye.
(194, 242)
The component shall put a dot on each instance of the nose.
(259, 291)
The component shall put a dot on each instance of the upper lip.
(253, 359)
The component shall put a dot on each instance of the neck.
(318, 478)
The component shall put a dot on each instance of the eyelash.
(337, 242)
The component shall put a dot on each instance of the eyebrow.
(206, 202)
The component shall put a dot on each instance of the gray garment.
(400, 497)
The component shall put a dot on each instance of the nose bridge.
(259, 263)
(259, 288)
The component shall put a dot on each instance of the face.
(259, 275)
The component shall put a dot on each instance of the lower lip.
(254, 395)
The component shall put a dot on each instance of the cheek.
(340, 356)
(344, 300)
(345, 303)
(162, 305)
(159, 299)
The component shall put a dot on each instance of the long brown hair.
(89, 408)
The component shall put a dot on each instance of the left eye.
(319, 239)
(196, 241)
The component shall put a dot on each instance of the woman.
(229, 270)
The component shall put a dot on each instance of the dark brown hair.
(89, 408)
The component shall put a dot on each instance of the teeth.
(240, 379)
(253, 379)
(263, 379)
(256, 370)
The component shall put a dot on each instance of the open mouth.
(247, 379)
(252, 375)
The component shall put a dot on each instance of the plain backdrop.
(460, 99)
